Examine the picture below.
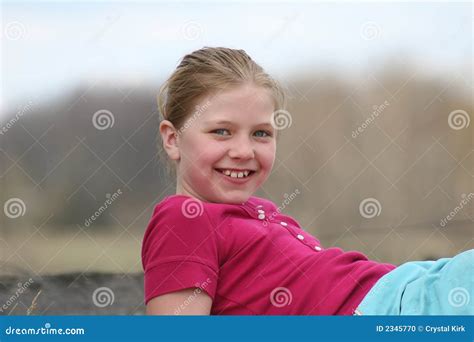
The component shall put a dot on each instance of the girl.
(213, 248)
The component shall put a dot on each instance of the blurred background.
(376, 153)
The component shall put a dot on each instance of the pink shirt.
(251, 260)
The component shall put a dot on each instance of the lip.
(236, 180)
(232, 169)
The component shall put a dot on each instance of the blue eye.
(220, 130)
(267, 134)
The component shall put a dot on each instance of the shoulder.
(180, 212)
(180, 225)
(182, 208)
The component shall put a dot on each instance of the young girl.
(213, 248)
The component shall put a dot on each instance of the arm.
(180, 260)
(184, 302)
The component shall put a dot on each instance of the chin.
(230, 198)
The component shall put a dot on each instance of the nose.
(242, 149)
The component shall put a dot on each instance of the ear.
(169, 136)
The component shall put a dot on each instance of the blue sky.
(49, 47)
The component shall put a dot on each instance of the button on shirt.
(251, 260)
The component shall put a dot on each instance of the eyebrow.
(226, 122)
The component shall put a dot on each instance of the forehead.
(244, 103)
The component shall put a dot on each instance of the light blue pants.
(442, 287)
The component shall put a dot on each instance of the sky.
(49, 47)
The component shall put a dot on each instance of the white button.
(260, 211)
(284, 224)
(301, 237)
(317, 248)
(261, 216)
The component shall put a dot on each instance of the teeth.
(235, 174)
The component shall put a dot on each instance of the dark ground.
(72, 294)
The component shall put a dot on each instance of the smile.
(236, 174)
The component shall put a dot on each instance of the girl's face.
(226, 149)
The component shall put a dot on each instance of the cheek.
(202, 160)
(268, 157)
(210, 155)
(192, 150)
(189, 161)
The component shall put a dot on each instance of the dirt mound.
(72, 294)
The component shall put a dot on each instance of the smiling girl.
(214, 248)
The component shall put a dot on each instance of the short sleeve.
(179, 249)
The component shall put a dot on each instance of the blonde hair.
(205, 72)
